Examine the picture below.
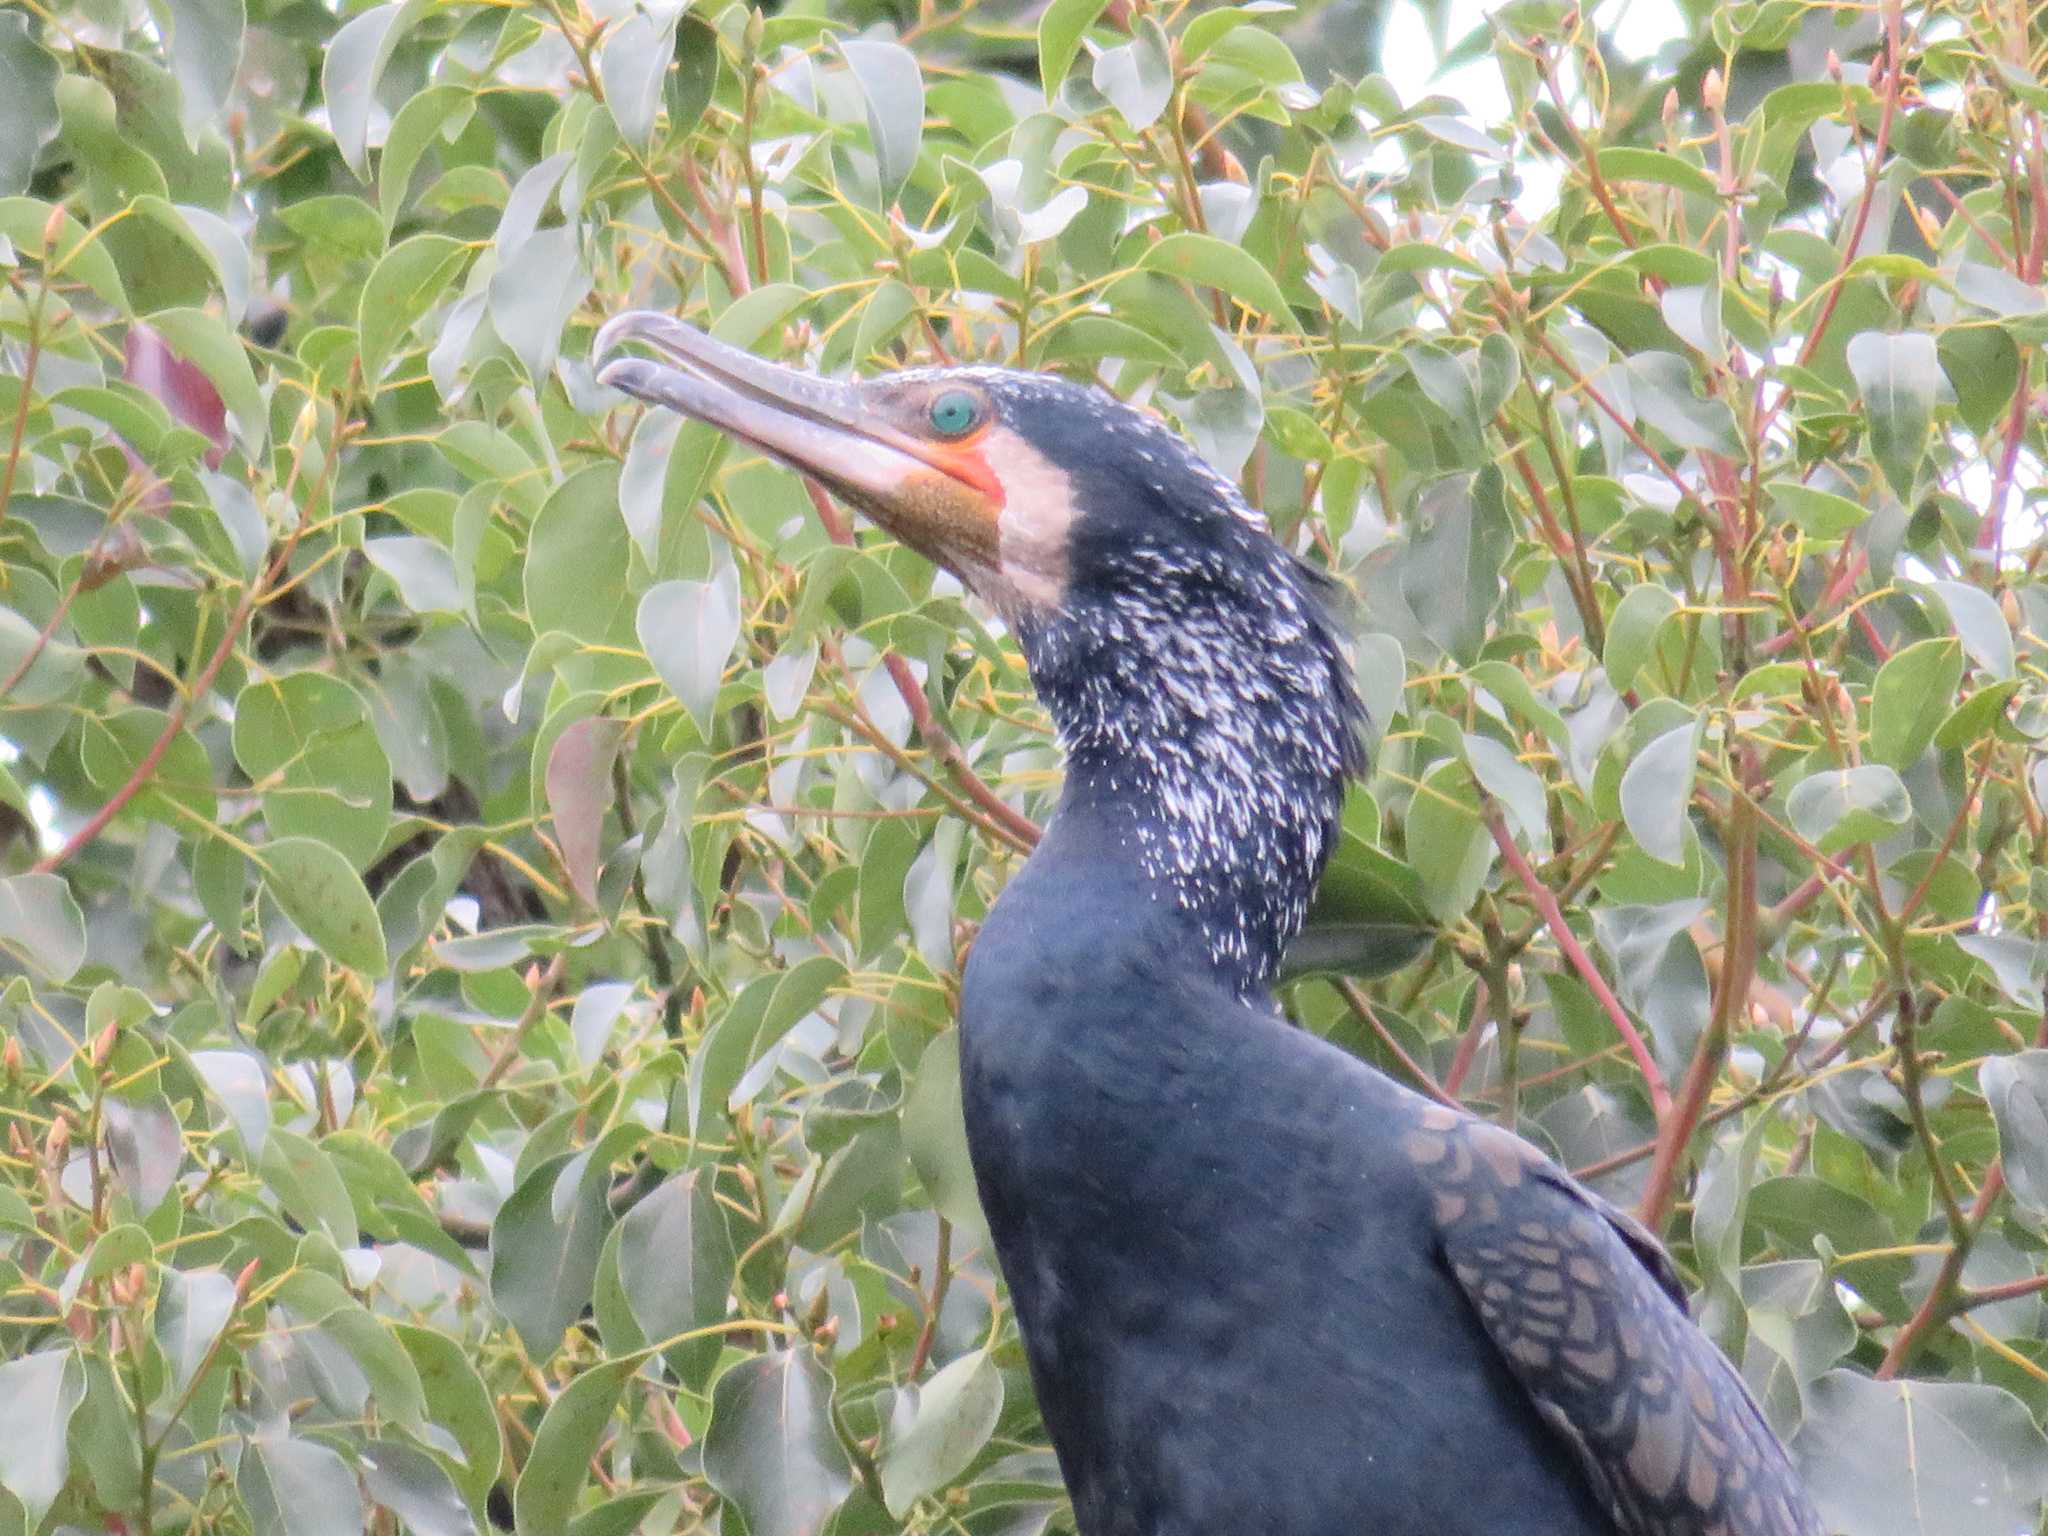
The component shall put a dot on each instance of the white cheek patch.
(1036, 521)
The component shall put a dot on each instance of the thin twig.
(1567, 942)
(1361, 1005)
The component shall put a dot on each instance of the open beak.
(940, 501)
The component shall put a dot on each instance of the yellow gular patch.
(944, 519)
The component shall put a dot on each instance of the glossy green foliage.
(484, 870)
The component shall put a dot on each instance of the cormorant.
(1262, 1287)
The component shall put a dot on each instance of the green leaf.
(1913, 694)
(676, 1268)
(1458, 541)
(1900, 379)
(114, 747)
(1921, 1458)
(192, 1310)
(204, 40)
(949, 1420)
(28, 103)
(407, 282)
(352, 70)
(1656, 792)
(307, 743)
(1519, 791)
(2016, 1088)
(551, 1482)
(1980, 624)
(1452, 384)
(1837, 809)
(1665, 396)
(321, 892)
(1231, 270)
(577, 555)
(771, 1448)
(1622, 163)
(892, 87)
(1694, 314)
(298, 1488)
(38, 1395)
(1137, 76)
(41, 926)
(1447, 840)
(422, 570)
(688, 629)
(416, 1488)
(24, 220)
(308, 1185)
(1632, 631)
(45, 670)
(590, 1022)
(935, 1136)
(1982, 365)
(412, 134)
(114, 1249)
(532, 295)
(144, 1144)
(1382, 674)
(458, 1403)
(632, 65)
(761, 1015)
(1820, 513)
(1060, 30)
(2014, 962)
(544, 1251)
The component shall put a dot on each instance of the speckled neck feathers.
(1202, 697)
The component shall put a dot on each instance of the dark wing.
(1587, 1312)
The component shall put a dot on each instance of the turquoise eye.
(953, 413)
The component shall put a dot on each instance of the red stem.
(1567, 942)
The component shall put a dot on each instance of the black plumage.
(1261, 1286)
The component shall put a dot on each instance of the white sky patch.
(42, 810)
(1638, 28)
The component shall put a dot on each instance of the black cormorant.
(1262, 1287)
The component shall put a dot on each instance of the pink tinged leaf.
(188, 394)
(579, 786)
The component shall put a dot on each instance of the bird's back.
(1224, 1267)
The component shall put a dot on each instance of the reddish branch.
(1595, 181)
(1575, 954)
(1731, 1006)
(1014, 826)
(1362, 1006)
(1946, 1298)
(1894, 81)
(1001, 818)
(231, 632)
(1942, 1299)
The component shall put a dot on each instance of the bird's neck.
(1211, 748)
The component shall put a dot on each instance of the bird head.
(936, 456)
(1031, 489)
(1188, 660)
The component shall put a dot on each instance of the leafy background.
(486, 869)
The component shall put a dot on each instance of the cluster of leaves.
(486, 869)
